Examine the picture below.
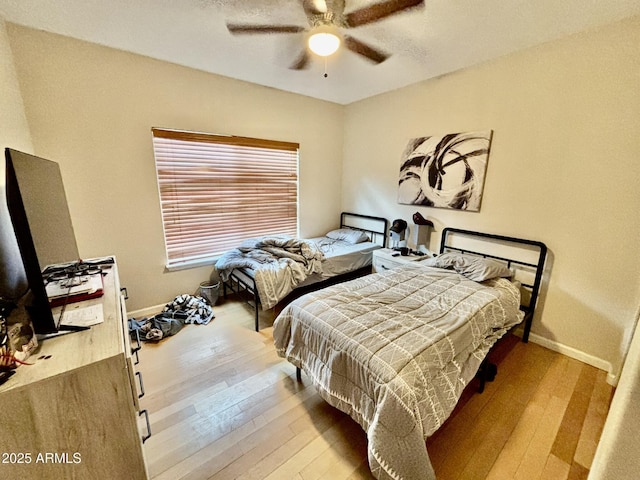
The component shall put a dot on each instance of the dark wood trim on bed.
(534, 287)
(376, 227)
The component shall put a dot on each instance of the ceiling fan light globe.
(324, 44)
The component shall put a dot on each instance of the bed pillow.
(444, 260)
(474, 268)
(348, 235)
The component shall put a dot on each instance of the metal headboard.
(541, 254)
(376, 227)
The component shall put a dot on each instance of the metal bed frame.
(533, 288)
(488, 370)
(375, 227)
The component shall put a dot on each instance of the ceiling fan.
(326, 18)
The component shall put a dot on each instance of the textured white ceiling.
(441, 37)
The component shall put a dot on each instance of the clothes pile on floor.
(183, 309)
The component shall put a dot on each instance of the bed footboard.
(240, 282)
(246, 283)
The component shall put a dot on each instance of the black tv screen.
(37, 205)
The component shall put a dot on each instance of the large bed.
(395, 349)
(341, 254)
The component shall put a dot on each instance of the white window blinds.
(216, 191)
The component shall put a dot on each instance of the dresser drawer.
(386, 259)
(382, 264)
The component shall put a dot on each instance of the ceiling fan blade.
(365, 50)
(379, 11)
(240, 29)
(301, 62)
(336, 7)
(314, 7)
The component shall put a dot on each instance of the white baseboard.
(612, 379)
(146, 312)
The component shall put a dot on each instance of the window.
(216, 191)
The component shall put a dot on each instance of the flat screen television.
(37, 205)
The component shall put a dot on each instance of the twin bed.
(267, 274)
(395, 349)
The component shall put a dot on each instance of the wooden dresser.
(74, 413)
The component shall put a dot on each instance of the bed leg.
(298, 374)
(528, 318)
(486, 373)
(255, 300)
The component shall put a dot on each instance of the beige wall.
(14, 132)
(92, 108)
(564, 168)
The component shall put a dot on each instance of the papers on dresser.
(78, 316)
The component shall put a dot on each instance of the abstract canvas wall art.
(445, 171)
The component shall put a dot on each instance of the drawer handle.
(123, 290)
(146, 416)
(141, 394)
(136, 349)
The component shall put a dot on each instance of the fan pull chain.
(325, 67)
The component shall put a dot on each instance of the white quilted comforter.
(394, 350)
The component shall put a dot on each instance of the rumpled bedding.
(279, 263)
(394, 350)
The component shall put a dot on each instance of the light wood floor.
(223, 405)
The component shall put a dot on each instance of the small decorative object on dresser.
(397, 232)
(421, 232)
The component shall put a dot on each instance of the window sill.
(211, 261)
